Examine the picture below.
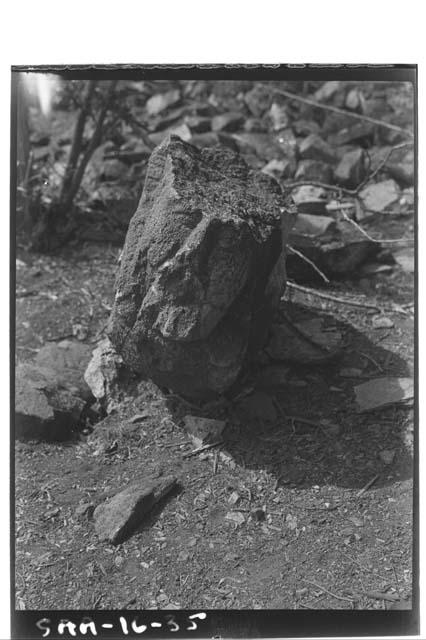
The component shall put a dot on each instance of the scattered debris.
(381, 392)
(291, 522)
(237, 517)
(117, 518)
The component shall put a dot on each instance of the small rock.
(350, 372)
(258, 515)
(279, 117)
(358, 522)
(46, 407)
(233, 498)
(380, 392)
(356, 133)
(279, 169)
(161, 101)
(310, 199)
(387, 455)
(258, 100)
(306, 127)
(227, 122)
(403, 172)
(354, 100)
(117, 518)
(85, 509)
(68, 359)
(327, 90)
(314, 170)
(315, 148)
(204, 430)
(316, 225)
(198, 123)
(405, 259)
(236, 516)
(382, 322)
(380, 196)
(104, 372)
(351, 170)
(287, 342)
(291, 521)
(182, 131)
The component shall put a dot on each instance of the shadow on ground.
(306, 430)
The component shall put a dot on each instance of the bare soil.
(316, 543)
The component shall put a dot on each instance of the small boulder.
(68, 359)
(351, 170)
(46, 407)
(161, 101)
(227, 122)
(118, 517)
(380, 196)
(105, 373)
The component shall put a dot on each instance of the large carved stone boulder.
(202, 269)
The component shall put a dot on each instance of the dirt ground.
(315, 544)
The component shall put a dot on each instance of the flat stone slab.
(118, 517)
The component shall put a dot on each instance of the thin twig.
(306, 259)
(293, 184)
(330, 593)
(365, 355)
(367, 486)
(326, 296)
(203, 448)
(376, 240)
(320, 105)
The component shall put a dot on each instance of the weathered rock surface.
(105, 374)
(202, 269)
(68, 359)
(46, 407)
(117, 518)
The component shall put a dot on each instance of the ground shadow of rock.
(336, 445)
